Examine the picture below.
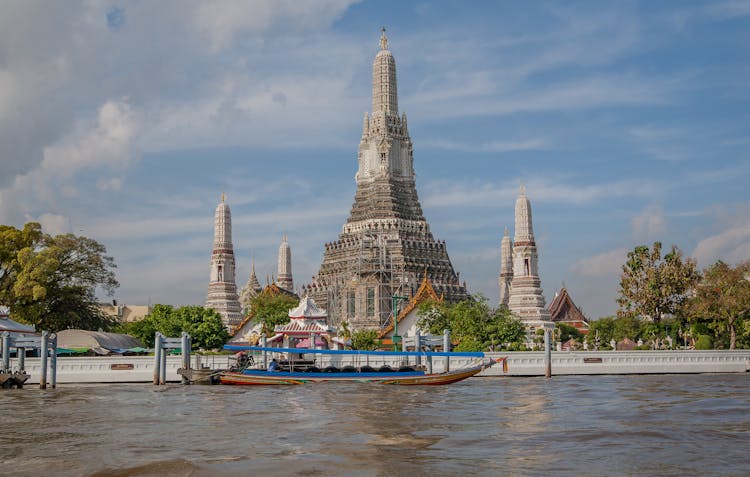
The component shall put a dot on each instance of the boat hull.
(250, 378)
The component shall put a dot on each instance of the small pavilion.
(307, 321)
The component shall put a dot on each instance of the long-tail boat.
(301, 371)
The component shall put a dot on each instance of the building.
(408, 314)
(525, 297)
(563, 310)
(126, 313)
(307, 327)
(222, 288)
(385, 245)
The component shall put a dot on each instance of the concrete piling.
(53, 361)
(547, 354)
(6, 352)
(44, 352)
(157, 356)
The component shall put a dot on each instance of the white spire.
(284, 268)
(222, 288)
(524, 230)
(384, 90)
(506, 267)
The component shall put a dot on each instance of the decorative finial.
(523, 189)
(383, 40)
(506, 231)
(223, 196)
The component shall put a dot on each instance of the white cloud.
(649, 225)
(603, 265)
(731, 244)
(54, 224)
(494, 146)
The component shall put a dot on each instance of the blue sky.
(628, 122)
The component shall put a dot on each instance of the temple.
(525, 297)
(222, 289)
(386, 244)
(564, 310)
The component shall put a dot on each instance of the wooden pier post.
(53, 361)
(44, 352)
(157, 356)
(418, 347)
(547, 354)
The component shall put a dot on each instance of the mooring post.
(185, 343)
(21, 353)
(157, 356)
(418, 347)
(53, 361)
(6, 352)
(163, 366)
(44, 352)
(447, 348)
(547, 354)
(264, 343)
(429, 364)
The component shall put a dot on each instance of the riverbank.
(140, 369)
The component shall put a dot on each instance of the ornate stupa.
(222, 289)
(284, 269)
(386, 245)
(526, 298)
(251, 289)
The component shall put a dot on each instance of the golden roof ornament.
(223, 197)
(383, 40)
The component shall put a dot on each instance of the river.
(656, 425)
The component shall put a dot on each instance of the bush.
(643, 347)
(703, 342)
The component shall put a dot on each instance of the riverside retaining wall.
(140, 369)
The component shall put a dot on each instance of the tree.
(271, 310)
(652, 286)
(365, 340)
(472, 324)
(566, 332)
(51, 282)
(204, 325)
(722, 298)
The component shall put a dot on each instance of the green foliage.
(721, 302)
(565, 332)
(472, 323)
(51, 282)
(203, 324)
(703, 342)
(652, 286)
(271, 310)
(365, 340)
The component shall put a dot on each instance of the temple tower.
(284, 268)
(506, 267)
(222, 289)
(385, 246)
(526, 297)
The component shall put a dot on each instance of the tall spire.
(284, 269)
(524, 229)
(526, 296)
(506, 267)
(385, 244)
(384, 90)
(222, 289)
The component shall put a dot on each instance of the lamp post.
(396, 337)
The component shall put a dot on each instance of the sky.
(627, 122)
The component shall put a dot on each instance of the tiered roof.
(564, 310)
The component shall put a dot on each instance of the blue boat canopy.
(458, 354)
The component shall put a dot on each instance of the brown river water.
(654, 425)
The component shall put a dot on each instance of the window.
(370, 302)
(526, 266)
(351, 300)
